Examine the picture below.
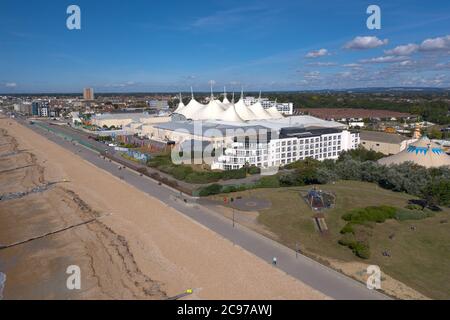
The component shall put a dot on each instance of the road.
(308, 271)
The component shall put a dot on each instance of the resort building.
(234, 135)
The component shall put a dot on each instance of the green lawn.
(420, 258)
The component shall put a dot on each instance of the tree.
(438, 192)
(434, 133)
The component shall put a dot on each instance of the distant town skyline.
(258, 45)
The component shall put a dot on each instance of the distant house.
(386, 143)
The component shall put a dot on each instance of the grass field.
(419, 258)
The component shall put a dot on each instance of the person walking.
(274, 261)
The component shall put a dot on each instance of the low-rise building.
(124, 119)
(386, 143)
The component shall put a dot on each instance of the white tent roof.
(192, 109)
(225, 102)
(243, 111)
(212, 111)
(231, 114)
(259, 111)
(274, 113)
(181, 106)
(424, 152)
(224, 106)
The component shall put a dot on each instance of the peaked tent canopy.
(259, 111)
(243, 111)
(423, 152)
(181, 106)
(212, 111)
(192, 109)
(231, 114)
(225, 101)
(274, 113)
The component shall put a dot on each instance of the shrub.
(210, 190)
(361, 154)
(159, 160)
(290, 180)
(348, 228)
(359, 248)
(268, 182)
(233, 174)
(254, 170)
(203, 177)
(180, 172)
(413, 206)
(438, 192)
(405, 214)
(307, 163)
(347, 239)
(370, 214)
(228, 189)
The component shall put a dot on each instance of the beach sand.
(127, 244)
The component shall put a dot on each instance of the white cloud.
(318, 53)
(344, 74)
(368, 42)
(403, 50)
(312, 75)
(352, 65)
(406, 63)
(436, 44)
(322, 64)
(10, 84)
(119, 85)
(230, 17)
(385, 59)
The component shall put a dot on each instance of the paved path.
(310, 272)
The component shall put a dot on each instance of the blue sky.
(261, 45)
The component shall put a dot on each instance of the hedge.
(210, 190)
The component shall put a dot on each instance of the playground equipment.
(319, 200)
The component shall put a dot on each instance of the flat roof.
(135, 116)
(305, 133)
(382, 137)
(207, 128)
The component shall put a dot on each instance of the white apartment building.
(44, 111)
(284, 108)
(292, 145)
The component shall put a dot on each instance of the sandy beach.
(127, 244)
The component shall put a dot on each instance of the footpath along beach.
(58, 210)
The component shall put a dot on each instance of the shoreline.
(163, 243)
